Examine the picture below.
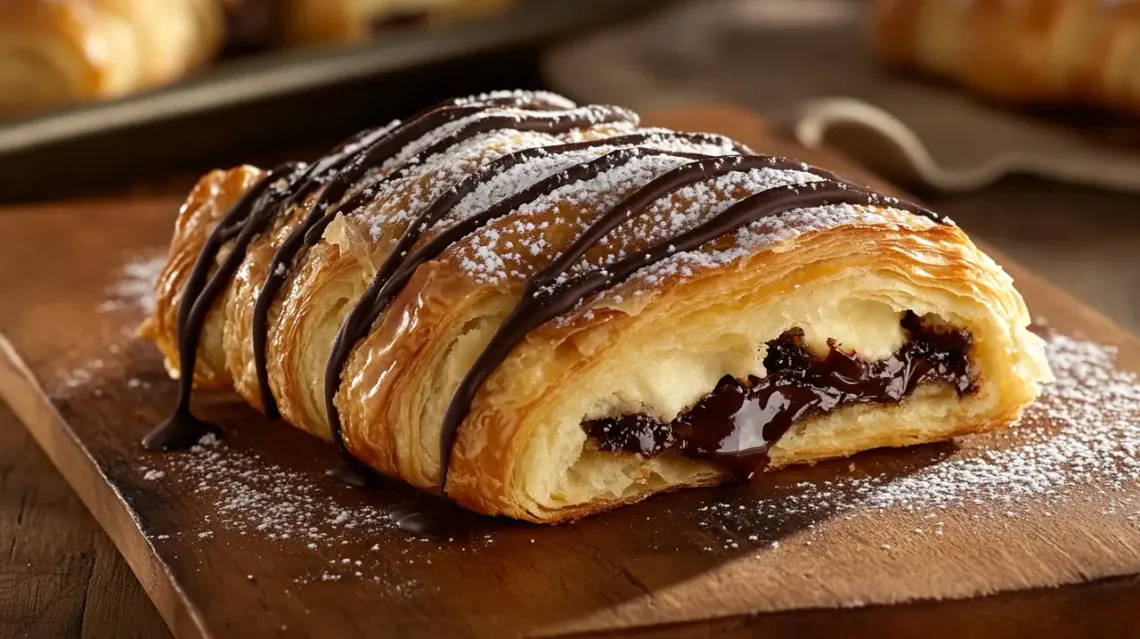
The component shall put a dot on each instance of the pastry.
(55, 52)
(315, 21)
(543, 310)
(1043, 52)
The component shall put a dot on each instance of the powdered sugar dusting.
(409, 196)
(552, 99)
(524, 175)
(135, 285)
(765, 233)
(254, 497)
(511, 247)
(694, 205)
(590, 114)
(519, 178)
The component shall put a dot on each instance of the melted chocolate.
(394, 274)
(352, 169)
(553, 292)
(244, 219)
(251, 215)
(400, 265)
(740, 420)
(548, 294)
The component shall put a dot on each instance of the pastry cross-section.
(545, 310)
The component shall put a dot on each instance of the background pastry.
(549, 311)
(1048, 52)
(312, 21)
(59, 52)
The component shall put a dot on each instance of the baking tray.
(291, 98)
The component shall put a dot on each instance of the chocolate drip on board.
(278, 191)
(327, 205)
(554, 290)
(244, 219)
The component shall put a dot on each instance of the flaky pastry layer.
(653, 344)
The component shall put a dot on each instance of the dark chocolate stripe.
(542, 123)
(355, 148)
(551, 292)
(513, 159)
(689, 174)
(351, 170)
(244, 220)
(251, 214)
(398, 268)
(545, 298)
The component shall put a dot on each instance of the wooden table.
(63, 578)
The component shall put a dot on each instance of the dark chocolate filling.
(332, 186)
(740, 420)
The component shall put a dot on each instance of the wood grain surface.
(649, 570)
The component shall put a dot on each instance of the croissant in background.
(544, 310)
(1040, 52)
(59, 52)
(55, 52)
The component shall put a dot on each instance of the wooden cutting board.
(247, 537)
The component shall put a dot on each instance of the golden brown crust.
(208, 201)
(57, 52)
(654, 343)
(1050, 52)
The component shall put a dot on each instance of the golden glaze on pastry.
(846, 279)
(54, 52)
(1053, 52)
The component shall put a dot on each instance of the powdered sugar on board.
(1080, 441)
(135, 284)
(131, 293)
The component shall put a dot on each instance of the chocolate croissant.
(543, 310)
(54, 52)
(1042, 52)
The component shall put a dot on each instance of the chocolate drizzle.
(349, 171)
(395, 271)
(737, 423)
(394, 274)
(244, 219)
(553, 291)
(355, 173)
(278, 192)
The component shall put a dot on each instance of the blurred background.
(112, 91)
(1019, 119)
